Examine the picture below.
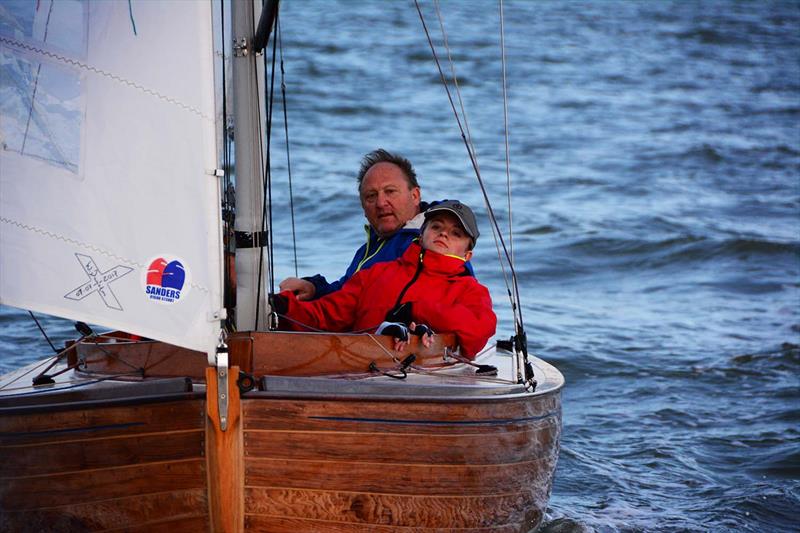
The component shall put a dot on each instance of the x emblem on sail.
(98, 282)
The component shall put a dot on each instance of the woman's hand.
(426, 337)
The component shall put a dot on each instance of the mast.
(248, 78)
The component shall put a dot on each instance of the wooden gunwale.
(281, 395)
(98, 404)
(259, 353)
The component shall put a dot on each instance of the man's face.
(445, 234)
(387, 200)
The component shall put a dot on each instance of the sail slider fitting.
(247, 239)
(240, 47)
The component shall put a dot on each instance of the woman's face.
(445, 235)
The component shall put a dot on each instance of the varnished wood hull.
(430, 453)
(135, 466)
(387, 466)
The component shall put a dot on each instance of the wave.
(596, 253)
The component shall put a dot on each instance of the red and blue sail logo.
(165, 280)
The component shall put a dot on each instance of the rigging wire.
(266, 214)
(505, 128)
(493, 219)
(69, 387)
(254, 191)
(471, 145)
(270, 236)
(30, 371)
(279, 36)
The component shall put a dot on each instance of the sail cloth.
(109, 206)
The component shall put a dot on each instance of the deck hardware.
(400, 373)
(42, 378)
(481, 370)
(246, 382)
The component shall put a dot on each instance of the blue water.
(655, 164)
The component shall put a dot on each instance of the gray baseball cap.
(462, 211)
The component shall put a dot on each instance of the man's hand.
(302, 289)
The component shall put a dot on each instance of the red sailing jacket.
(442, 294)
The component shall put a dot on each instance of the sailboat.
(111, 186)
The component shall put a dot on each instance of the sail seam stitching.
(109, 75)
(91, 247)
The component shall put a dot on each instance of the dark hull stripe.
(501, 422)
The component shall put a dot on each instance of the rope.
(227, 193)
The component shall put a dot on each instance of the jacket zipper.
(413, 279)
(367, 257)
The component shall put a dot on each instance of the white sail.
(109, 206)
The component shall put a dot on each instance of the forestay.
(109, 206)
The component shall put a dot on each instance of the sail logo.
(165, 281)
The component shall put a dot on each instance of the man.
(390, 197)
(429, 284)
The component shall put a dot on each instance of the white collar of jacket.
(416, 222)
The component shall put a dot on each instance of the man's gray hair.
(383, 156)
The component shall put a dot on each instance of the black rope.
(38, 325)
(288, 158)
(228, 199)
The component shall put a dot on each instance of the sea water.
(655, 175)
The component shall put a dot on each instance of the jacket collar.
(412, 226)
(433, 262)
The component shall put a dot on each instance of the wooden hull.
(387, 466)
(135, 466)
(435, 452)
